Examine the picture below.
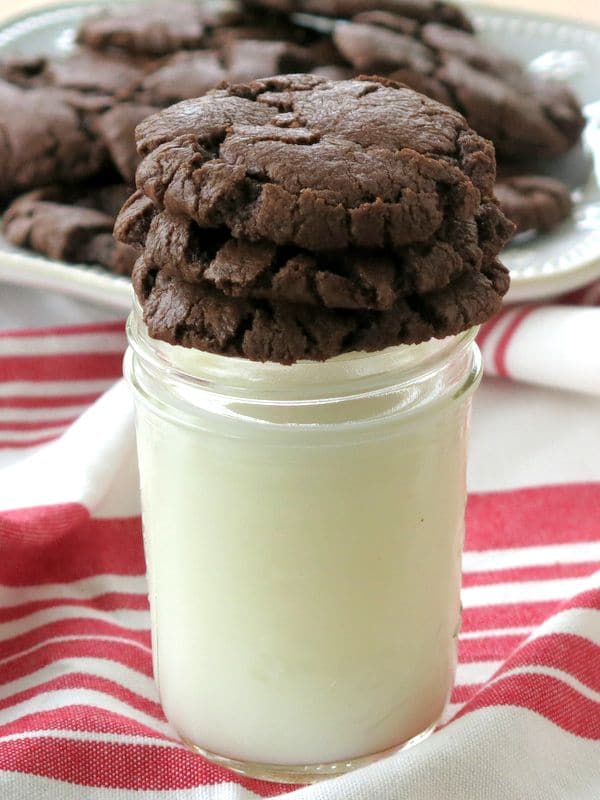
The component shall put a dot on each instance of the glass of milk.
(303, 528)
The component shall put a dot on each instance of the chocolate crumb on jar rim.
(299, 218)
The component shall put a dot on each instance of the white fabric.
(555, 346)
(525, 435)
(558, 346)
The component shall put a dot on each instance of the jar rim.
(350, 374)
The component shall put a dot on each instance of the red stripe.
(568, 652)
(575, 298)
(85, 719)
(110, 601)
(32, 401)
(80, 680)
(589, 599)
(545, 695)
(587, 296)
(132, 767)
(521, 615)
(24, 527)
(486, 329)
(513, 615)
(69, 545)
(54, 652)
(489, 648)
(504, 341)
(62, 366)
(535, 573)
(69, 627)
(572, 654)
(117, 326)
(37, 425)
(8, 444)
(525, 517)
(465, 692)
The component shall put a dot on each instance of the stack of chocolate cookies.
(300, 218)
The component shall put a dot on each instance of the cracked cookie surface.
(303, 161)
(352, 278)
(200, 317)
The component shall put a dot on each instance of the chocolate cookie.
(24, 71)
(523, 116)
(116, 129)
(247, 60)
(152, 28)
(44, 138)
(534, 202)
(105, 250)
(90, 71)
(421, 11)
(178, 77)
(476, 52)
(264, 25)
(512, 113)
(194, 315)
(106, 198)
(559, 104)
(302, 161)
(66, 232)
(386, 19)
(374, 49)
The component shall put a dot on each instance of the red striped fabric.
(77, 700)
(49, 376)
(506, 337)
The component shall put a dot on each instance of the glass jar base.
(310, 773)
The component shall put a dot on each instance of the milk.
(304, 562)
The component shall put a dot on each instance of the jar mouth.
(349, 374)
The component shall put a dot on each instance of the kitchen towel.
(554, 344)
(79, 713)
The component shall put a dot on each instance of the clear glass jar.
(303, 528)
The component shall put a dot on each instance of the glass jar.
(303, 529)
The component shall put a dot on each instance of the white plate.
(563, 260)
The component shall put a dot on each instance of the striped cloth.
(79, 713)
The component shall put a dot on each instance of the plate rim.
(489, 10)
